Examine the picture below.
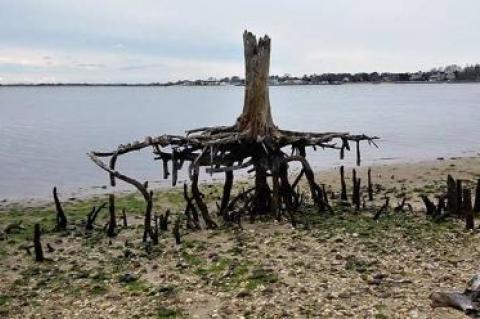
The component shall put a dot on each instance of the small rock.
(127, 278)
(243, 293)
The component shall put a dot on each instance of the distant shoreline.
(229, 85)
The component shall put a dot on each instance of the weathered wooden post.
(61, 218)
(343, 185)
(476, 206)
(459, 196)
(37, 245)
(452, 204)
(112, 223)
(467, 209)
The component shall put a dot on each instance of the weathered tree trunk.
(256, 119)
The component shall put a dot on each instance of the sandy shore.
(327, 267)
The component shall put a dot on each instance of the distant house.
(450, 76)
(418, 76)
(437, 77)
(274, 81)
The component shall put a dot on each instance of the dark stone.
(127, 278)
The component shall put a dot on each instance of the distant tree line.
(451, 73)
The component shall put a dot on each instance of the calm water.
(45, 132)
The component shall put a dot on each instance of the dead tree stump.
(37, 245)
(112, 223)
(176, 231)
(253, 142)
(356, 198)
(467, 209)
(452, 202)
(476, 206)
(343, 185)
(459, 196)
(61, 218)
(124, 218)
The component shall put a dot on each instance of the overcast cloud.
(153, 40)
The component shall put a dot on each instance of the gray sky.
(156, 40)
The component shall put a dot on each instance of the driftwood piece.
(61, 218)
(467, 302)
(93, 215)
(142, 188)
(429, 205)
(454, 300)
(37, 245)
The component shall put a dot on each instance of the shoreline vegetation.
(338, 265)
(448, 74)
